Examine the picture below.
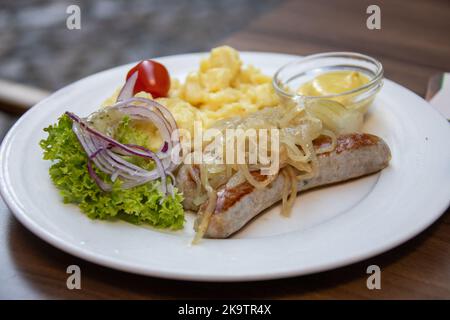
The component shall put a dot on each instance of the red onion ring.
(167, 126)
(105, 152)
(127, 90)
(103, 185)
(142, 113)
(97, 145)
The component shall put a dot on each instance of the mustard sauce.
(334, 82)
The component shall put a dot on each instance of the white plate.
(330, 227)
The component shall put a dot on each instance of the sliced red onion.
(170, 186)
(152, 104)
(130, 169)
(157, 118)
(99, 147)
(89, 146)
(108, 140)
(127, 90)
(135, 112)
(150, 110)
(103, 185)
(105, 152)
(166, 124)
(115, 175)
(165, 147)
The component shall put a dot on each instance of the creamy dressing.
(335, 82)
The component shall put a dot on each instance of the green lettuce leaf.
(141, 204)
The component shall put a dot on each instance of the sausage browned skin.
(355, 155)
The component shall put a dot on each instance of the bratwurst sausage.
(355, 155)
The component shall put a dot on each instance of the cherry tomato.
(153, 78)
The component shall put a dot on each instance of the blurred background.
(36, 47)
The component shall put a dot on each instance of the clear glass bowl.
(292, 75)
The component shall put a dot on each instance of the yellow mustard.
(334, 82)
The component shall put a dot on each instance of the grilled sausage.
(355, 155)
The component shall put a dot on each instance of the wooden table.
(413, 44)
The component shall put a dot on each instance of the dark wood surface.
(413, 44)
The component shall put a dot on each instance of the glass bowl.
(291, 76)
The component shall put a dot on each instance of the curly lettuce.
(144, 204)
